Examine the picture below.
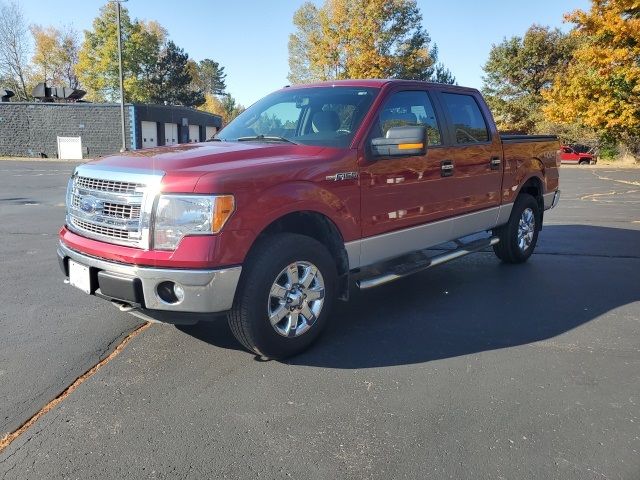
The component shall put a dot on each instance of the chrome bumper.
(205, 291)
(551, 199)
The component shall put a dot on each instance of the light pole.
(124, 133)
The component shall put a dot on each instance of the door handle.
(446, 168)
(495, 163)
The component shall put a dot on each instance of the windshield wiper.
(266, 138)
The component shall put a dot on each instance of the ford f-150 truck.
(312, 189)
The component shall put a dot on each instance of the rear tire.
(584, 162)
(285, 296)
(518, 238)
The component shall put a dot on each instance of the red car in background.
(570, 154)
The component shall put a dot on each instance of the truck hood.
(185, 164)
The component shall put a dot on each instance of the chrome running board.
(405, 269)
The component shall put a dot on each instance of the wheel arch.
(321, 228)
(535, 187)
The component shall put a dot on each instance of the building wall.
(182, 116)
(31, 129)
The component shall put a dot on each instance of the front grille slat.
(120, 211)
(113, 186)
(102, 230)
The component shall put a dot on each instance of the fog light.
(170, 292)
(178, 292)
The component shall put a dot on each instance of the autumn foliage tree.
(97, 67)
(55, 55)
(156, 70)
(601, 86)
(518, 70)
(224, 105)
(362, 39)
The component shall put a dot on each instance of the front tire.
(518, 238)
(285, 296)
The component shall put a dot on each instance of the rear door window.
(468, 123)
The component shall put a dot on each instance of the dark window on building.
(468, 122)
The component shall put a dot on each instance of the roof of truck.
(375, 83)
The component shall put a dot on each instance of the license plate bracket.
(80, 276)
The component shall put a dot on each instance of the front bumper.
(551, 199)
(205, 291)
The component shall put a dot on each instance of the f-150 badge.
(342, 176)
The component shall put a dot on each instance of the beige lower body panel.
(375, 249)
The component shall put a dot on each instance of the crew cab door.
(401, 192)
(475, 152)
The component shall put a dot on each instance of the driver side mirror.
(401, 142)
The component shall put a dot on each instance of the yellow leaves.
(46, 40)
(224, 106)
(54, 53)
(213, 105)
(601, 86)
(359, 39)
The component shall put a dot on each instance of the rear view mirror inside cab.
(400, 142)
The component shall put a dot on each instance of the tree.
(362, 39)
(517, 72)
(301, 67)
(55, 55)
(225, 106)
(14, 48)
(208, 76)
(46, 42)
(443, 75)
(170, 80)
(69, 50)
(97, 67)
(601, 86)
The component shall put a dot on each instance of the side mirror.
(401, 142)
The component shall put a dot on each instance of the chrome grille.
(112, 206)
(112, 209)
(114, 186)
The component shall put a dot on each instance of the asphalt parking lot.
(471, 370)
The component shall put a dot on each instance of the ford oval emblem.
(90, 205)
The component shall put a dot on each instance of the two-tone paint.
(381, 207)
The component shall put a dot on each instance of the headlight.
(180, 215)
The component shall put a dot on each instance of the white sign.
(70, 148)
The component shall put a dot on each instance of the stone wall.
(31, 129)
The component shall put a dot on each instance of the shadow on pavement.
(475, 304)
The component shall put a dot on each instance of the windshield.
(324, 116)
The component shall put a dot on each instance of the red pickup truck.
(573, 156)
(312, 189)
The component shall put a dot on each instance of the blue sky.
(249, 37)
